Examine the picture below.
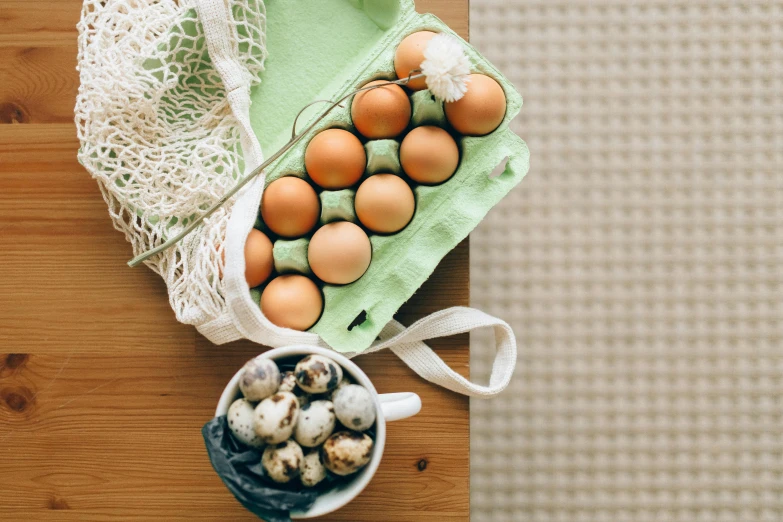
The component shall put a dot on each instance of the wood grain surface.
(102, 392)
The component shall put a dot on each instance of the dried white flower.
(446, 68)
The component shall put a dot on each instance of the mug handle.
(396, 406)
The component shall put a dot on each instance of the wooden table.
(102, 392)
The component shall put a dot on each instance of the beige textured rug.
(640, 263)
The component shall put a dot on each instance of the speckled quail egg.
(312, 471)
(318, 374)
(354, 407)
(282, 461)
(276, 416)
(346, 452)
(287, 382)
(315, 424)
(240, 422)
(344, 382)
(260, 379)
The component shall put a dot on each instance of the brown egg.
(339, 253)
(335, 159)
(429, 155)
(481, 110)
(258, 258)
(381, 113)
(384, 203)
(290, 207)
(292, 301)
(409, 55)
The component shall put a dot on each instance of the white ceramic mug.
(391, 407)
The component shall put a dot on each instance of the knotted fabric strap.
(407, 344)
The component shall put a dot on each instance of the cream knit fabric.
(158, 134)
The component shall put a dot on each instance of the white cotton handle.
(245, 319)
(398, 406)
(407, 344)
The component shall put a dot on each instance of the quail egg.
(345, 382)
(287, 382)
(282, 461)
(312, 471)
(317, 374)
(354, 407)
(315, 424)
(276, 416)
(346, 452)
(260, 379)
(240, 422)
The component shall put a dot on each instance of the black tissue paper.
(239, 467)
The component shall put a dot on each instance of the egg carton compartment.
(427, 110)
(337, 205)
(383, 157)
(255, 295)
(290, 256)
(260, 225)
(339, 57)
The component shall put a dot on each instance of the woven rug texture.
(639, 263)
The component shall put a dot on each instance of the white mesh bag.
(163, 120)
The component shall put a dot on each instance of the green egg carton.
(383, 157)
(290, 256)
(337, 205)
(323, 50)
(427, 110)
